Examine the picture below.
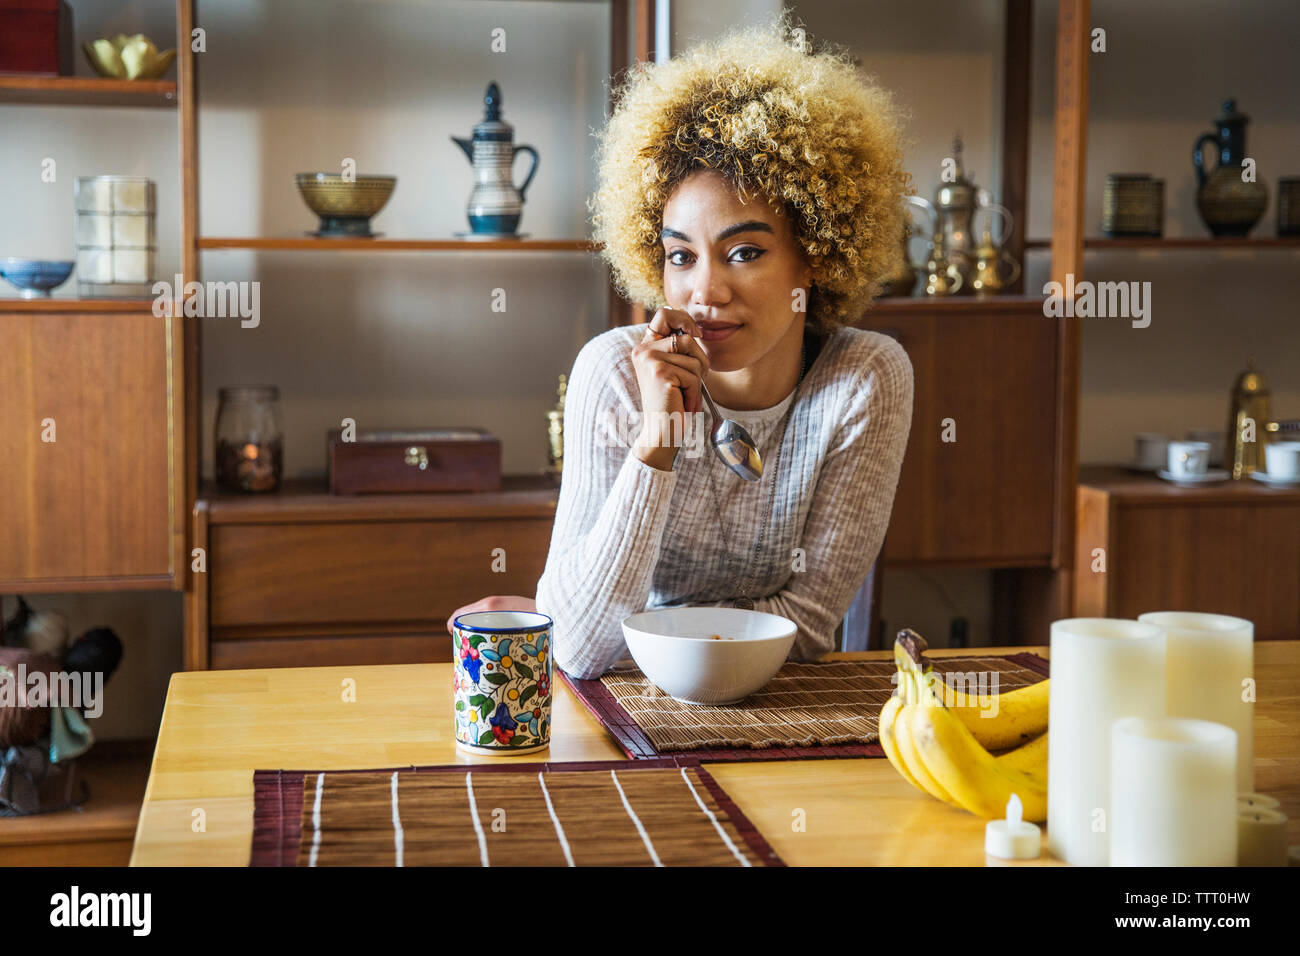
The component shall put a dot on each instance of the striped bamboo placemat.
(807, 711)
(667, 812)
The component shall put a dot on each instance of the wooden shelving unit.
(261, 535)
(100, 510)
(310, 500)
(1101, 243)
(957, 304)
(86, 91)
(317, 244)
(56, 304)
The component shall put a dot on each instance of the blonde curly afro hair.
(807, 131)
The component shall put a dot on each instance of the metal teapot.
(495, 203)
(951, 219)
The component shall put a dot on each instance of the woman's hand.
(496, 602)
(669, 372)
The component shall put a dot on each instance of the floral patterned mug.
(502, 681)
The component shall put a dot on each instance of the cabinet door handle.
(417, 456)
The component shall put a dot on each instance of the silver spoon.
(730, 441)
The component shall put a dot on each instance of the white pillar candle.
(1208, 660)
(1173, 793)
(1258, 801)
(1261, 837)
(1102, 669)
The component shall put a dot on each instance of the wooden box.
(390, 461)
(36, 37)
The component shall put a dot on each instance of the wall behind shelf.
(399, 339)
(1161, 82)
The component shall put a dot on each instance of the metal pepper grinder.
(1250, 401)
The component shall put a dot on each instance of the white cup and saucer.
(1282, 461)
(1189, 464)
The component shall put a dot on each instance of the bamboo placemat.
(667, 812)
(808, 711)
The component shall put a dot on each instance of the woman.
(752, 193)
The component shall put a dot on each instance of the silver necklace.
(745, 601)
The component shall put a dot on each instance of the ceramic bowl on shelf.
(709, 655)
(35, 277)
(128, 58)
(345, 206)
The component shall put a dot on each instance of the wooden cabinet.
(304, 578)
(1232, 548)
(987, 498)
(95, 507)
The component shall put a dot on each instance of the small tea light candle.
(1013, 838)
(1173, 793)
(1261, 838)
(1258, 801)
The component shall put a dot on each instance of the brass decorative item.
(943, 277)
(952, 217)
(128, 57)
(345, 204)
(1229, 206)
(1250, 400)
(1133, 205)
(990, 256)
(555, 431)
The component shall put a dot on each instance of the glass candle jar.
(250, 446)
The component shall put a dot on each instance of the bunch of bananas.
(940, 739)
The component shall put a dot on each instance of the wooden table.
(219, 726)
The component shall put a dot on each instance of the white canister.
(1173, 793)
(1210, 675)
(1102, 669)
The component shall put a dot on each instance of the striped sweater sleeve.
(610, 518)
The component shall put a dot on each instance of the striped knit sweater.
(630, 537)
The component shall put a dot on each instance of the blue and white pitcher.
(495, 204)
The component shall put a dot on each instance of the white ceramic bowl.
(675, 649)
